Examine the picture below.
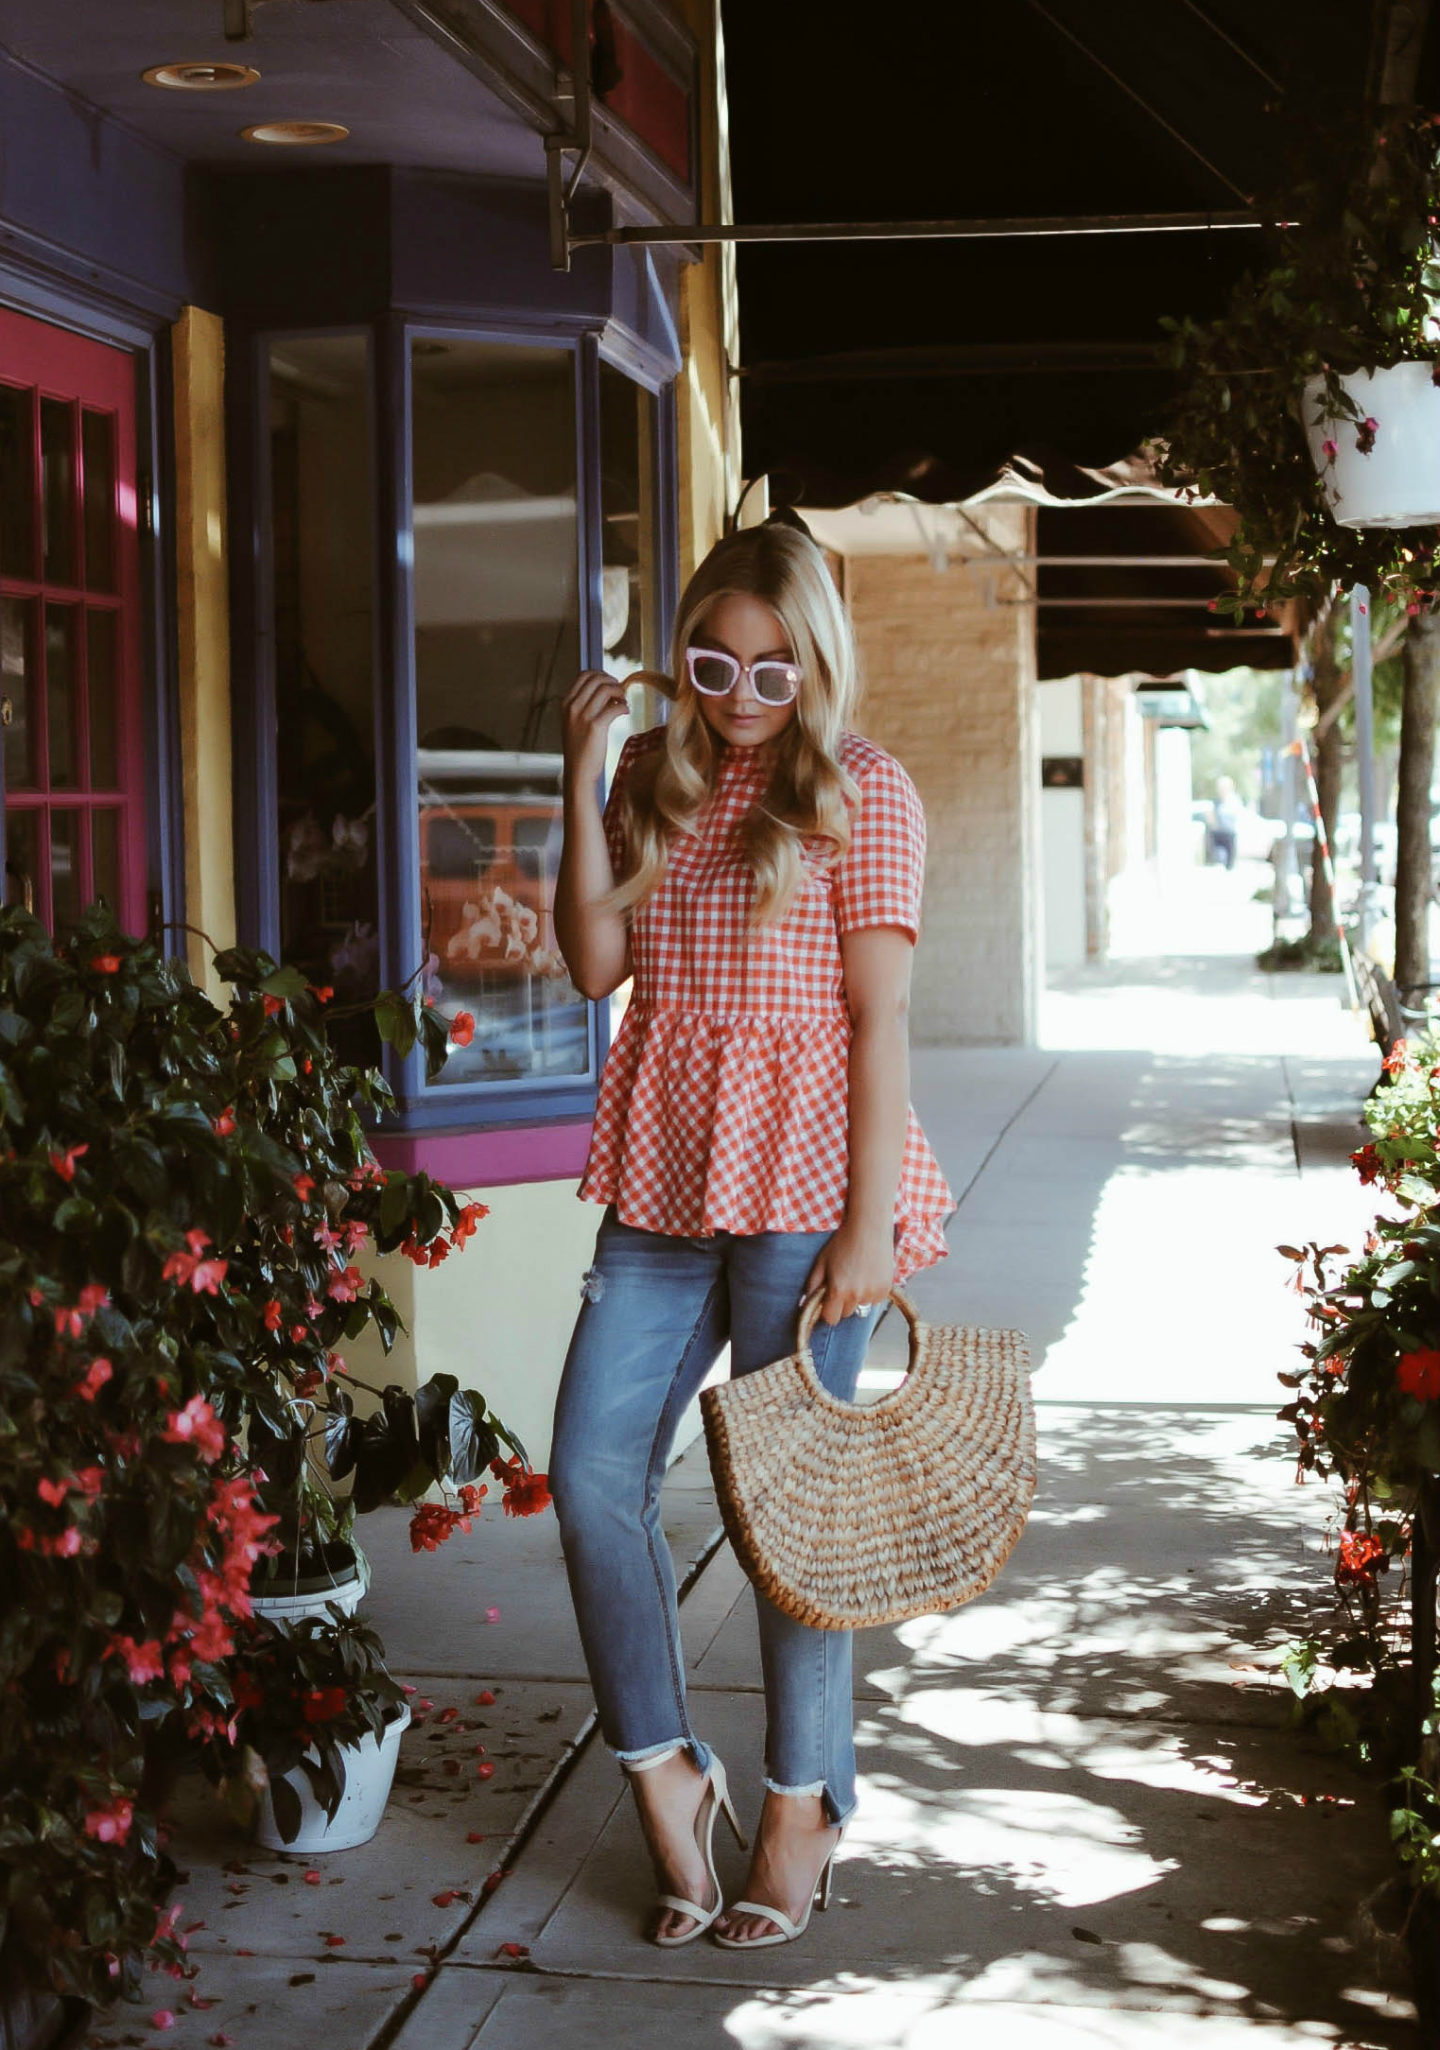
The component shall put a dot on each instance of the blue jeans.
(657, 1310)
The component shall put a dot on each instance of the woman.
(758, 871)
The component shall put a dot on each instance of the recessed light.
(201, 76)
(295, 132)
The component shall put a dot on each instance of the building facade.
(320, 480)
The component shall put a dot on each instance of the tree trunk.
(1412, 800)
(1329, 750)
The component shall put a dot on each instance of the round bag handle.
(810, 1317)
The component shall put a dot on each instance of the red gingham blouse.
(723, 1103)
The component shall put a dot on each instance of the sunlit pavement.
(1083, 1820)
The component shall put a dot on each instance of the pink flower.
(355, 1233)
(345, 1287)
(1330, 449)
(111, 1825)
(462, 1028)
(196, 1424)
(326, 1237)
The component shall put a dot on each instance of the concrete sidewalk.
(1083, 1820)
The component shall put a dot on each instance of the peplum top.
(724, 1100)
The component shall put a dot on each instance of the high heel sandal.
(714, 1795)
(788, 1930)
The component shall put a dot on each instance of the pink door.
(70, 625)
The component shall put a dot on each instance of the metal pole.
(999, 229)
(1282, 902)
(1364, 757)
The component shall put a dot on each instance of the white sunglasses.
(715, 674)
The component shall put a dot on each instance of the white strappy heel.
(788, 1930)
(714, 1795)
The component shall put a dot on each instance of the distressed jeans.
(657, 1309)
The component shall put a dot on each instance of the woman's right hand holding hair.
(589, 709)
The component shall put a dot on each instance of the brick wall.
(949, 688)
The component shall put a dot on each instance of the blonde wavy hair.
(809, 795)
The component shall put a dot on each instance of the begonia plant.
(183, 1189)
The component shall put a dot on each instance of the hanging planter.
(332, 1573)
(369, 1774)
(1379, 467)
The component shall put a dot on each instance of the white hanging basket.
(369, 1774)
(291, 1600)
(1398, 483)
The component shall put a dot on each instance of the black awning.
(923, 366)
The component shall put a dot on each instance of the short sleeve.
(880, 879)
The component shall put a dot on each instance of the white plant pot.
(369, 1774)
(1398, 483)
(347, 1592)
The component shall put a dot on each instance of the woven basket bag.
(846, 1515)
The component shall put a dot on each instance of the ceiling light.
(295, 132)
(201, 76)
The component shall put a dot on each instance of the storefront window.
(324, 639)
(497, 645)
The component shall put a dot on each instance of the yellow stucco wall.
(498, 1315)
(707, 396)
(203, 632)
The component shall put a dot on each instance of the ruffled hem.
(707, 1123)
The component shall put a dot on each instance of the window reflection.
(497, 645)
(322, 579)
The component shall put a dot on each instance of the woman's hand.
(590, 708)
(857, 1266)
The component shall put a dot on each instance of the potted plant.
(317, 1732)
(182, 1188)
(1366, 1411)
(1305, 401)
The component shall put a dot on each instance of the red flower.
(273, 1315)
(1366, 1164)
(247, 1690)
(526, 1493)
(465, 1224)
(273, 1005)
(323, 1704)
(142, 1661)
(196, 1424)
(1395, 1060)
(106, 964)
(53, 1492)
(432, 1524)
(462, 1028)
(96, 1375)
(64, 1163)
(1419, 1374)
(304, 1187)
(204, 1276)
(322, 994)
(224, 1125)
(1365, 436)
(1358, 1552)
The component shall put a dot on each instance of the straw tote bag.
(846, 1515)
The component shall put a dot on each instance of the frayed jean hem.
(671, 1748)
(831, 1807)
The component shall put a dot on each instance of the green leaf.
(473, 1443)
